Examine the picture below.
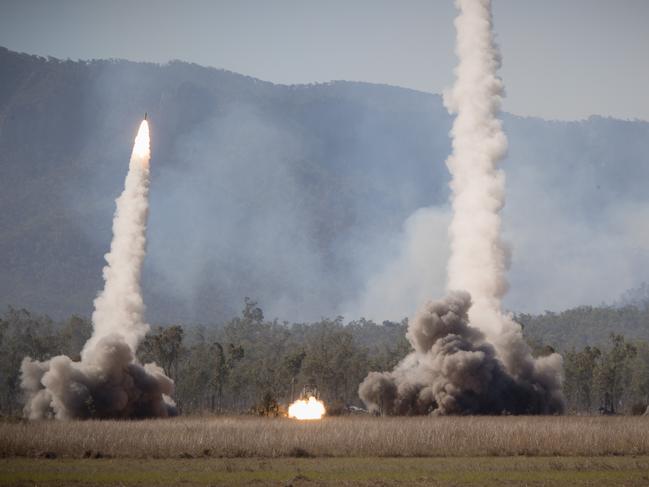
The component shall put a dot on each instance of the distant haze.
(564, 60)
(313, 200)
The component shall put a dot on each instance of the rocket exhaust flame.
(307, 409)
(108, 382)
(142, 145)
(469, 356)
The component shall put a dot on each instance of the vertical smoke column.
(108, 382)
(478, 259)
(468, 356)
(119, 308)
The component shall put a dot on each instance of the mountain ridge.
(298, 194)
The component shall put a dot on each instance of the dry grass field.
(351, 451)
(233, 437)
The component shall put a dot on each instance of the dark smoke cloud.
(109, 384)
(455, 370)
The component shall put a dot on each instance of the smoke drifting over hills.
(336, 175)
(469, 356)
(108, 382)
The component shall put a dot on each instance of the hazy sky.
(563, 59)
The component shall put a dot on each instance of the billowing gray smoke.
(455, 370)
(469, 356)
(108, 382)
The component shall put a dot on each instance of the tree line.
(251, 364)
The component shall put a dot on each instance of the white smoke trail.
(108, 382)
(478, 260)
(119, 308)
(469, 356)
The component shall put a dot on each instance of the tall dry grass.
(342, 436)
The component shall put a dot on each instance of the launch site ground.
(357, 450)
(491, 471)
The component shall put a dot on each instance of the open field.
(476, 471)
(353, 451)
(231, 437)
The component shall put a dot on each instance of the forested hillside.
(586, 325)
(305, 197)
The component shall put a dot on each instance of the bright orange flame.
(311, 409)
(142, 149)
